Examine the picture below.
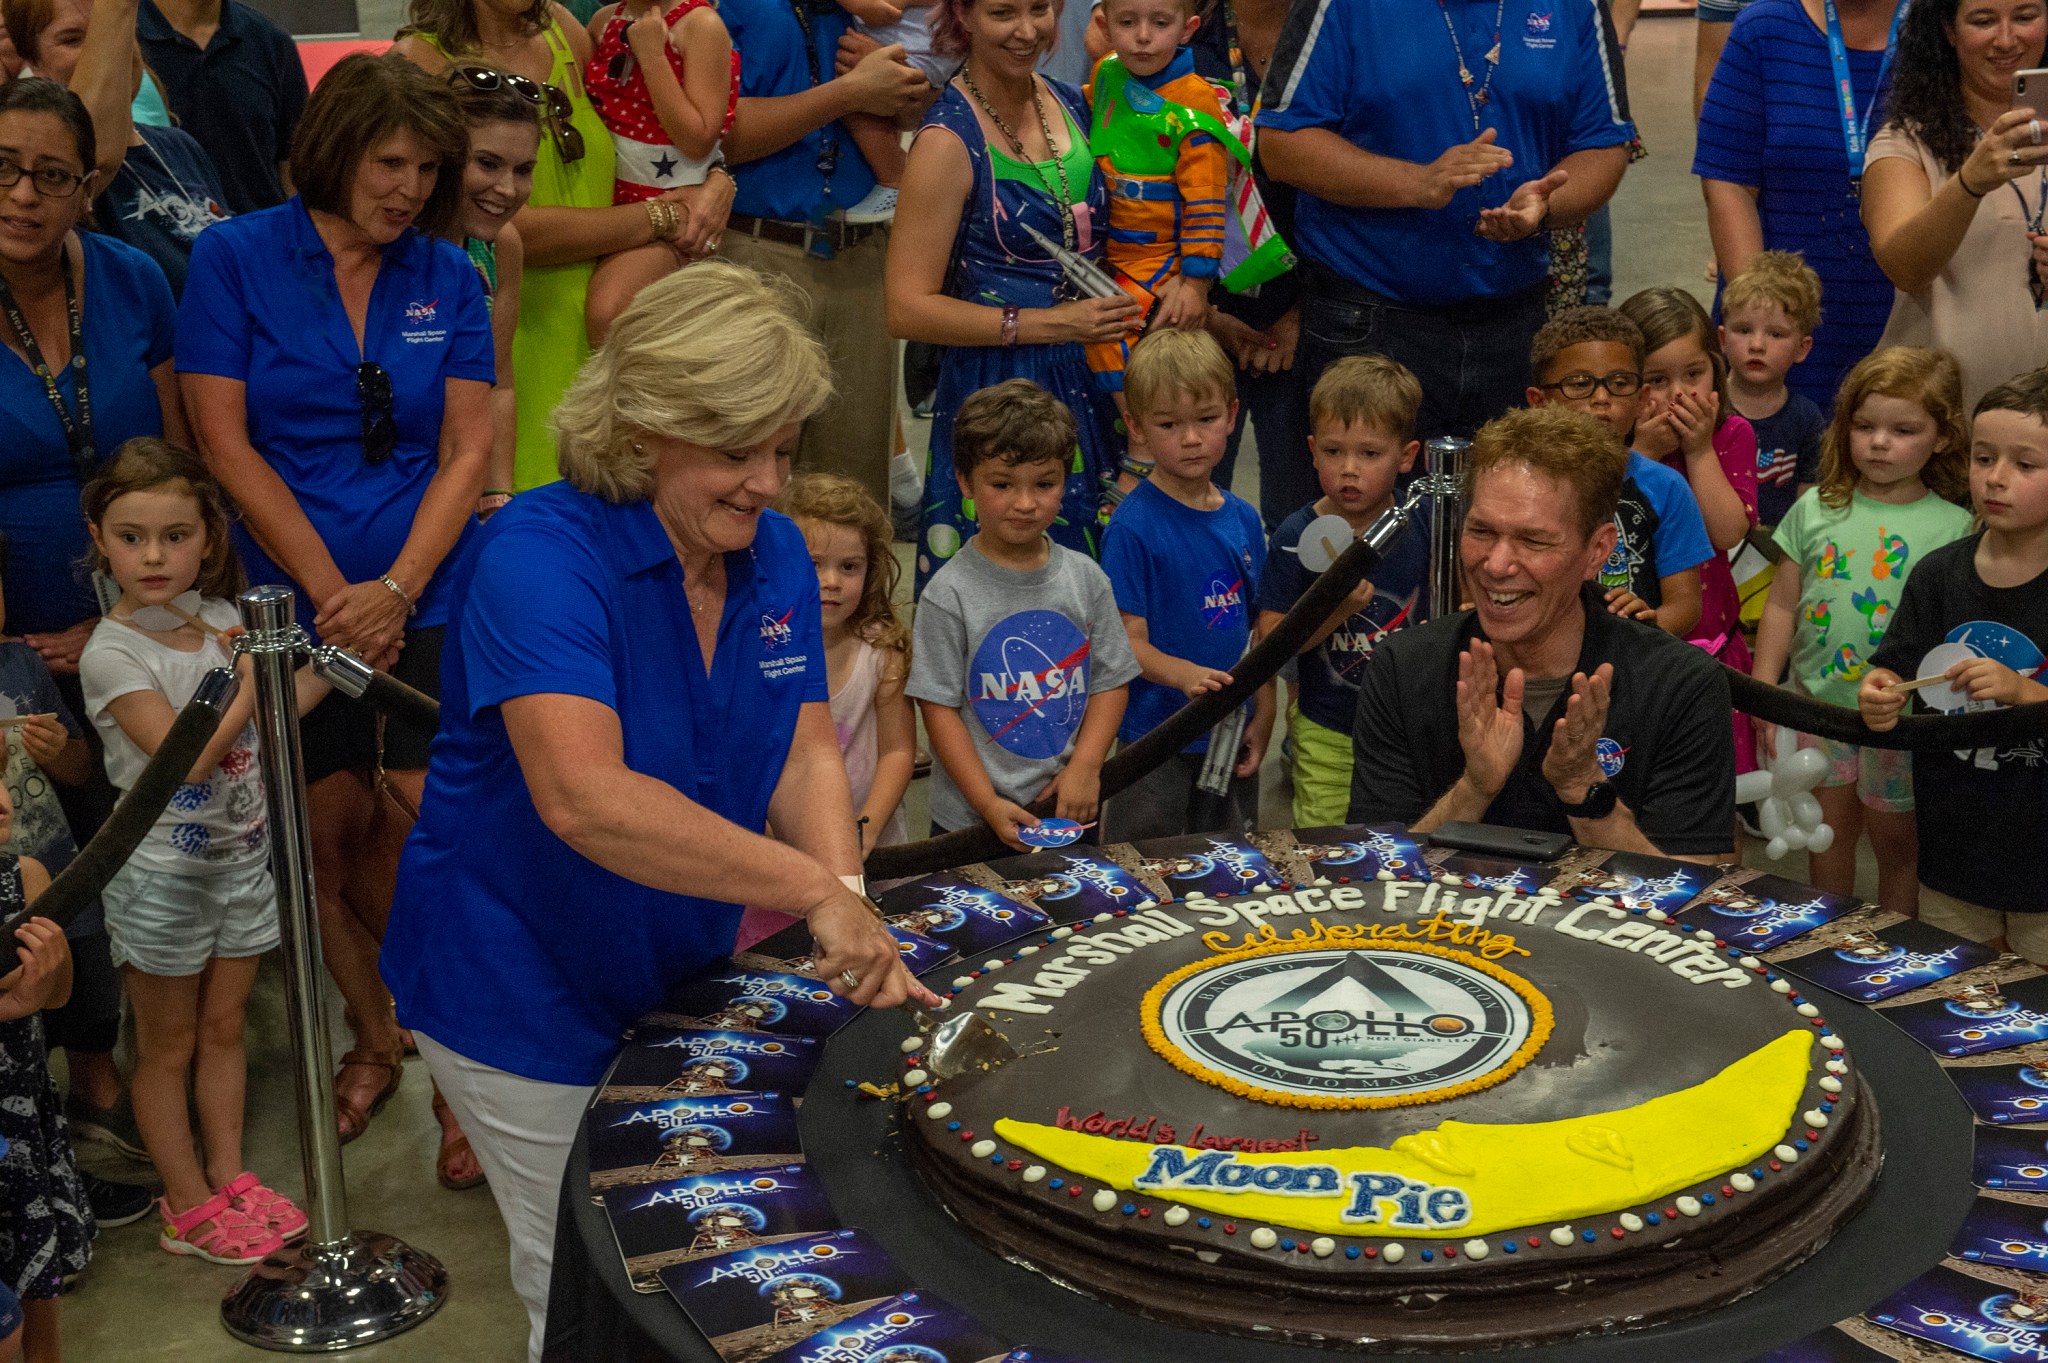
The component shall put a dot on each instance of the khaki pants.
(856, 432)
(2025, 934)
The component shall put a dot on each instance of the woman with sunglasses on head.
(336, 355)
(538, 48)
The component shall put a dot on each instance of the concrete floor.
(139, 1305)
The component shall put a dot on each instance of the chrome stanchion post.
(1444, 461)
(338, 1288)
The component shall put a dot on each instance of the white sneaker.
(878, 206)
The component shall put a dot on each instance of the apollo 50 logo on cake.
(1372, 1024)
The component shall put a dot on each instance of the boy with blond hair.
(1362, 418)
(1182, 555)
(1768, 316)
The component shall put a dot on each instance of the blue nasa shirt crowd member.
(1422, 241)
(1330, 671)
(1185, 557)
(1018, 643)
(1644, 765)
(635, 685)
(797, 169)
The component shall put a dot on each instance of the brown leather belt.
(839, 236)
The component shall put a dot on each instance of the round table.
(852, 1144)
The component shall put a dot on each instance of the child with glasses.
(1590, 359)
(666, 80)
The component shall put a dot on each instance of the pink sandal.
(236, 1239)
(246, 1193)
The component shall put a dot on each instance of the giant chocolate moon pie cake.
(1397, 1114)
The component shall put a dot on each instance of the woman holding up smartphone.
(1956, 188)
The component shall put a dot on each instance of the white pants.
(521, 1130)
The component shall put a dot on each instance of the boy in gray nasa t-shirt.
(1020, 658)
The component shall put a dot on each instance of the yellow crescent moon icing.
(1531, 1174)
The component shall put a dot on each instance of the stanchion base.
(322, 1298)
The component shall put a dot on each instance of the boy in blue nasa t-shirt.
(1184, 556)
(1362, 415)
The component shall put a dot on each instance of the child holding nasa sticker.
(1889, 464)
(1975, 614)
(1184, 556)
(1020, 661)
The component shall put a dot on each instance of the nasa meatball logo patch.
(1611, 756)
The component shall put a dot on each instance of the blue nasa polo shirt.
(1384, 74)
(1191, 575)
(787, 184)
(261, 306)
(505, 944)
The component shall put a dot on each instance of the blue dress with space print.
(996, 263)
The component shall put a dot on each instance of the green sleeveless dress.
(551, 343)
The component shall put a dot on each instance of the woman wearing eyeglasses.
(336, 355)
(66, 296)
(571, 222)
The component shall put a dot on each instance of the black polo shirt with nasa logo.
(1668, 747)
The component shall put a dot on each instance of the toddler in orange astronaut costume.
(1158, 132)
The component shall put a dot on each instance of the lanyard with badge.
(1855, 128)
(819, 243)
(77, 432)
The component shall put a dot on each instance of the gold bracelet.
(663, 220)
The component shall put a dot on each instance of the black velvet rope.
(1916, 733)
(1183, 726)
(78, 884)
(387, 693)
(1770, 704)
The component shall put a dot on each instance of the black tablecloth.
(851, 1143)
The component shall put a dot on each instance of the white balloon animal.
(1786, 809)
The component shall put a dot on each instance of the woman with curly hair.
(1957, 186)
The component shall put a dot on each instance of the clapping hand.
(1489, 730)
(1462, 167)
(1525, 212)
(1572, 766)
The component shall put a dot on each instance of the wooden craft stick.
(1903, 687)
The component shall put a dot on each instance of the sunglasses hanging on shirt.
(380, 424)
